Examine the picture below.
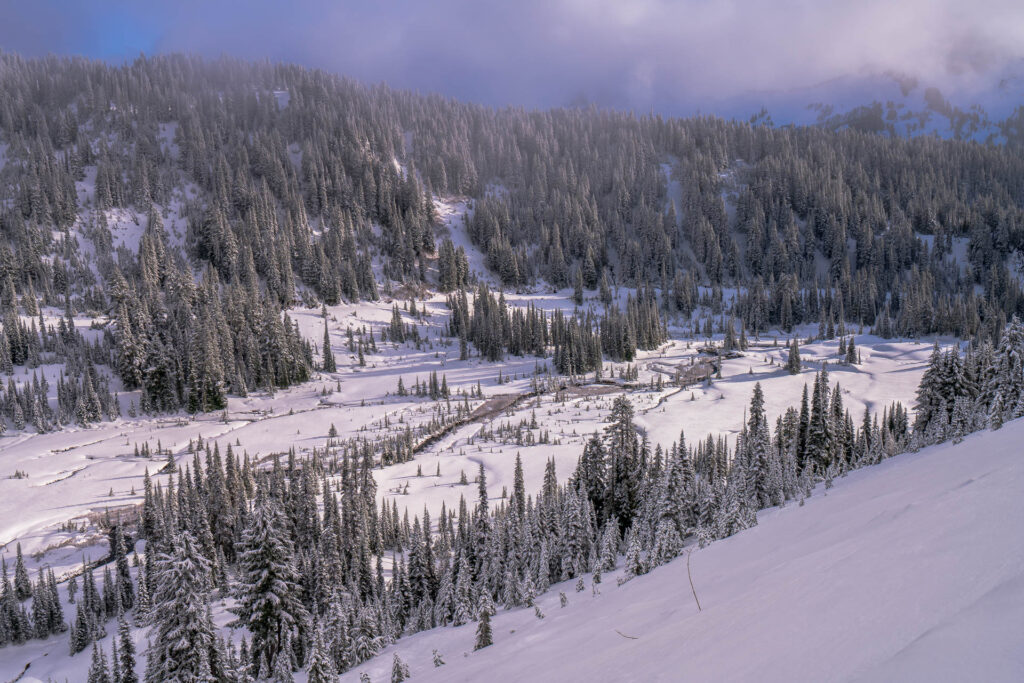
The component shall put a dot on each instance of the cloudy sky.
(669, 56)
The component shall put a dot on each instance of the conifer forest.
(304, 378)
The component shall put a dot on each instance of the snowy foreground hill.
(911, 570)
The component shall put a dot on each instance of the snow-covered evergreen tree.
(399, 670)
(484, 637)
(793, 364)
(329, 364)
(98, 670)
(269, 590)
(321, 666)
(183, 644)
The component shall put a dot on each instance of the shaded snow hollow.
(910, 570)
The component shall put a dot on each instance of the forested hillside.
(187, 204)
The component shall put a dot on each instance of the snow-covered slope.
(909, 570)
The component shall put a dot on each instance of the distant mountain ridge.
(980, 106)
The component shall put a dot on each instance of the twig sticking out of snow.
(690, 576)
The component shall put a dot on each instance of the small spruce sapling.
(484, 637)
(399, 670)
